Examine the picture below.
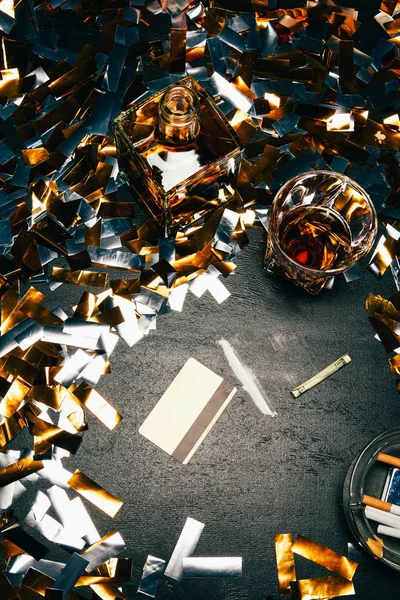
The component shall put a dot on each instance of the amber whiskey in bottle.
(179, 153)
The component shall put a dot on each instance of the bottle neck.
(178, 112)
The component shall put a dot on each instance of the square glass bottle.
(178, 152)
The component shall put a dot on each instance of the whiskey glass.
(321, 224)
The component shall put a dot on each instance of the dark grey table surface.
(254, 475)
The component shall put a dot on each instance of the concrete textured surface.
(254, 475)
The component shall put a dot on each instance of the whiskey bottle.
(179, 153)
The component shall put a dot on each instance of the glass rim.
(175, 118)
(328, 272)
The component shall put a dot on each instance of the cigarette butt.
(329, 370)
(389, 460)
(382, 517)
(381, 504)
(391, 531)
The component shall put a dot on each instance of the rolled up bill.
(329, 370)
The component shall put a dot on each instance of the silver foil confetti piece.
(108, 546)
(94, 369)
(40, 506)
(53, 531)
(395, 268)
(118, 259)
(60, 313)
(129, 329)
(151, 575)
(218, 290)
(353, 273)
(72, 367)
(21, 564)
(177, 297)
(185, 546)
(67, 579)
(85, 328)
(55, 335)
(62, 508)
(54, 472)
(202, 283)
(233, 39)
(212, 566)
(8, 341)
(263, 217)
(221, 87)
(19, 489)
(107, 342)
(146, 323)
(6, 496)
(167, 249)
(226, 226)
(83, 522)
(30, 336)
(7, 492)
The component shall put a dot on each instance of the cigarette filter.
(380, 504)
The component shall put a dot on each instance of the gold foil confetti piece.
(325, 557)
(285, 562)
(7, 592)
(35, 156)
(13, 398)
(340, 122)
(39, 313)
(10, 428)
(322, 588)
(112, 317)
(384, 254)
(16, 315)
(14, 532)
(393, 122)
(84, 278)
(394, 364)
(94, 493)
(17, 367)
(37, 581)
(376, 546)
(9, 301)
(51, 396)
(108, 591)
(375, 303)
(19, 469)
(85, 306)
(45, 434)
(9, 550)
(119, 569)
(97, 405)
(108, 546)
(244, 126)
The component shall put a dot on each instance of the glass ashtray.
(367, 476)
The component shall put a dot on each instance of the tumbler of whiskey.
(179, 153)
(321, 223)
